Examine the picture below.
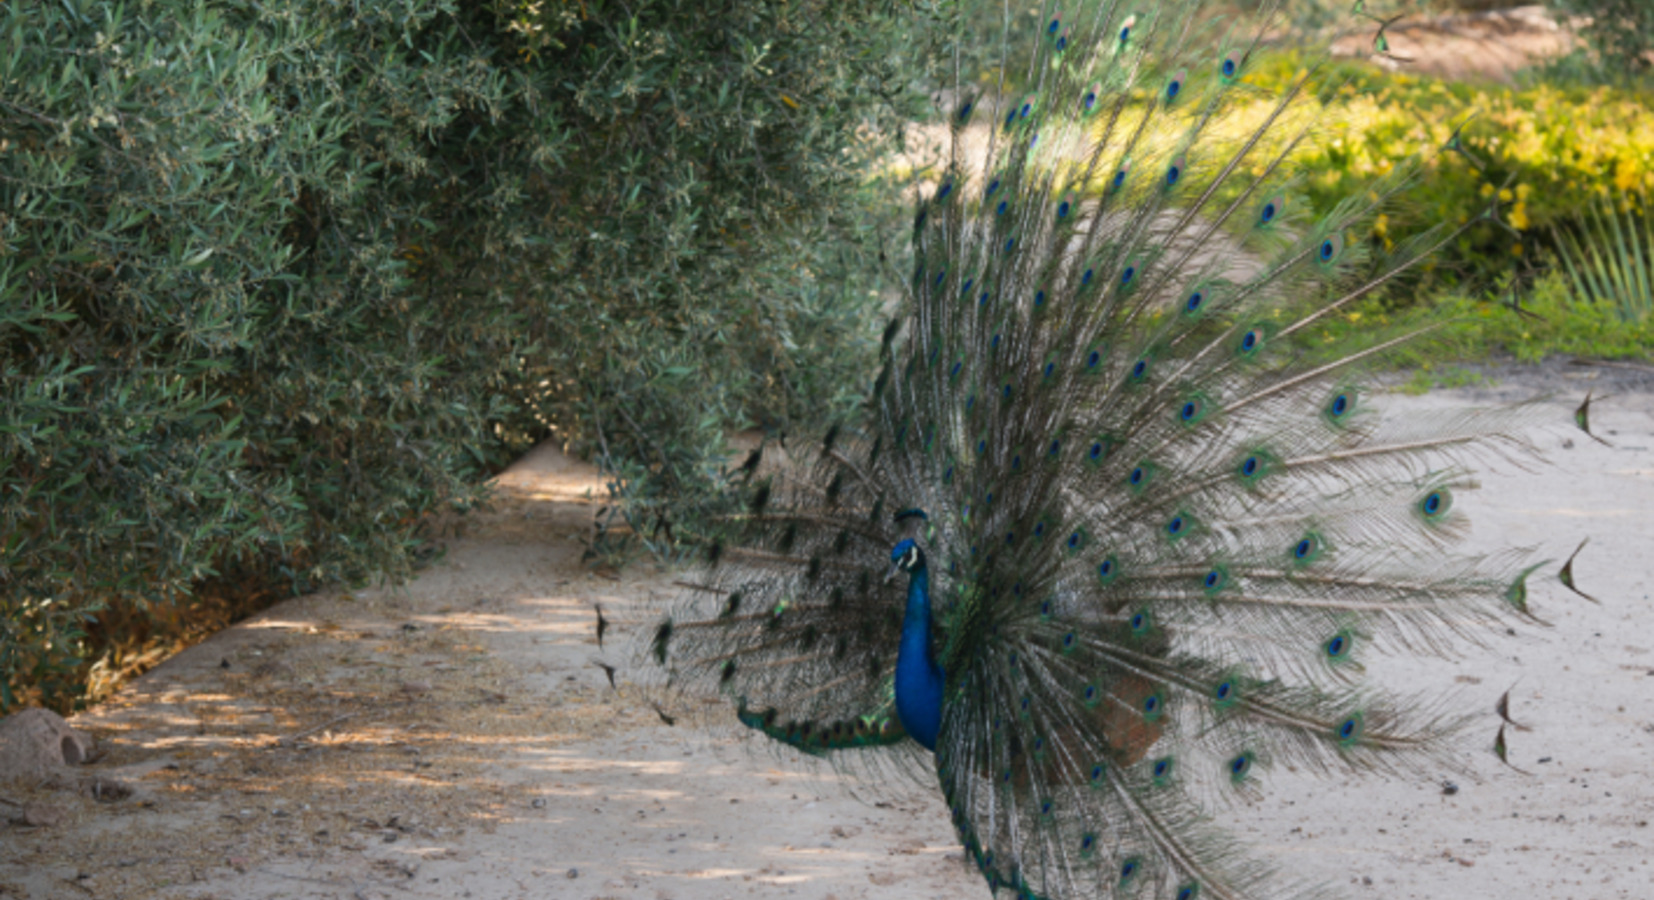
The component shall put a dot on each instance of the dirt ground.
(453, 737)
(1489, 45)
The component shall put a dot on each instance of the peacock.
(1110, 538)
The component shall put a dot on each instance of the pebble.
(43, 815)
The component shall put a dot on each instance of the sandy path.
(462, 744)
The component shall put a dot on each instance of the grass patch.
(1478, 329)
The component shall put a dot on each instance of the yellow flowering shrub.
(1546, 150)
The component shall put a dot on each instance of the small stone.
(539, 803)
(909, 847)
(37, 744)
(573, 873)
(416, 687)
(107, 790)
(44, 815)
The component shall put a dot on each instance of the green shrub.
(1555, 146)
(1618, 33)
(213, 361)
(277, 279)
(718, 269)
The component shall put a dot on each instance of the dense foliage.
(719, 268)
(278, 278)
(1544, 149)
(1618, 33)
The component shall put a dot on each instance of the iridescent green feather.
(1161, 540)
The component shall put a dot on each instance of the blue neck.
(918, 678)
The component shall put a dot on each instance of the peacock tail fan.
(1160, 536)
(792, 619)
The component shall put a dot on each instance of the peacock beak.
(895, 569)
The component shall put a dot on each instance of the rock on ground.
(38, 744)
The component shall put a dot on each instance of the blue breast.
(918, 678)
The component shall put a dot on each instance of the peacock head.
(906, 555)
